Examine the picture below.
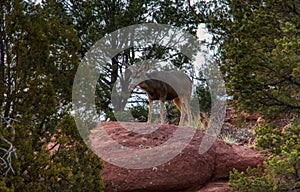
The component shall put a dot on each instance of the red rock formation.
(188, 171)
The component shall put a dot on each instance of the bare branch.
(9, 151)
(6, 158)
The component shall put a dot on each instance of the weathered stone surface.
(188, 171)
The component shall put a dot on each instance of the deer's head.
(138, 75)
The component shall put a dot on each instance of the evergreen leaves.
(41, 48)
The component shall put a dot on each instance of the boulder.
(188, 171)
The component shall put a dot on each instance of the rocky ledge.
(188, 171)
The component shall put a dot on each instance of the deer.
(163, 86)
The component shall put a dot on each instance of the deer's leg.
(186, 111)
(161, 103)
(189, 113)
(150, 111)
(177, 103)
(182, 116)
(182, 111)
(179, 106)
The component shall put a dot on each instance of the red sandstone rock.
(188, 171)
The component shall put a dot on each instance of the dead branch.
(7, 152)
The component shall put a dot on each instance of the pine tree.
(258, 52)
(41, 55)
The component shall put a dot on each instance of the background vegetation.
(41, 46)
(259, 55)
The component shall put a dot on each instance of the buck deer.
(162, 86)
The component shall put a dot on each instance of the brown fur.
(166, 85)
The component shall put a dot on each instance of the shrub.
(139, 112)
(282, 168)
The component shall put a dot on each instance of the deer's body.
(165, 85)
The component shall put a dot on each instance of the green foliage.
(259, 53)
(139, 112)
(250, 181)
(75, 166)
(282, 170)
(63, 163)
(172, 113)
(203, 97)
(41, 47)
(180, 13)
(279, 141)
(103, 18)
(39, 58)
(270, 137)
(4, 187)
